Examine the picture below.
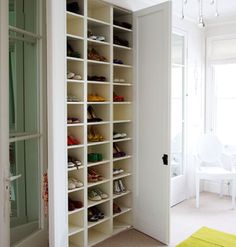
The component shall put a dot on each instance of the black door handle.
(165, 159)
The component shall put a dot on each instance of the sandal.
(94, 196)
(92, 172)
(94, 55)
(117, 98)
(92, 178)
(93, 136)
(101, 193)
(77, 183)
(74, 76)
(91, 216)
(97, 212)
(95, 98)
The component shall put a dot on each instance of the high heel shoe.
(117, 152)
(92, 115)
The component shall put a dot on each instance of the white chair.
(210, 167)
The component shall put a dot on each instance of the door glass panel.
(177, 49)
(24, 192)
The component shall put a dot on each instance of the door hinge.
(165, 159)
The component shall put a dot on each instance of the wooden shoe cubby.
(97, 16)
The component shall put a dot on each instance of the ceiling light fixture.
(201, 22)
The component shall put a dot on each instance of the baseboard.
(214, 187)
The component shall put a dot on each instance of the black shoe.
(73, 7)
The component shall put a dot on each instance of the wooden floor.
(214, 212)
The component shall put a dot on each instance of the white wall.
(195, 92)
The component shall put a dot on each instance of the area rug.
(206, 237)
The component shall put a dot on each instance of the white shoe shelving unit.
(98, 17)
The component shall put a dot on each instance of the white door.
(23, 135)
(153, 72)
(178, 85)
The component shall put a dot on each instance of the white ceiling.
(227, 8)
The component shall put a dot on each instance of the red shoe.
(72, 141)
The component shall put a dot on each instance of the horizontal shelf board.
(120, 195)
(122, 140)
(98, 42)
(74, 59)
(98, 22)
(123, 211)
(122, 28)
(75, 168)
(121, 175)
(91, 224)
(76, 211)
(97, 143)
(94, 203)
(75, 103)
(74, 125)
(74, 190)
(98, 82)
(122, 47)
(120, 228)
(122, 121)
(72, 36)
(98, 163)
(98, 183)
(122, 65)
(74, 81)
(97, 62)
(75, 146)
(98, 123)
(74, 229)
(122, 84)
(122, 103)
(98, 103)
(73, 245)
(71, 15)
(96, 237)
(122, 158)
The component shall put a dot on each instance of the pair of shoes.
(94, 176)
(117, 171)
(90, 35)
(74, 183)
(118, 98)
(73, 7)
(91, 115)
(116, 208)
(72, 162)
(119, 80)
(93, 136)
(95, 98)
(117, 153)
(94, 214)
(119, 135)
(118, 187)
(96, 78)
(74, 76)
(72, 120)
(118, 41)
(71, 52)
(72, 98)
(96, 195)
(72, 204)
(72, 141)
(94, 157)
(118, 61)
(94, 55)
(122, 24)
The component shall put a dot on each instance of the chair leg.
(233, 193)
(197, 192)
(221, 188)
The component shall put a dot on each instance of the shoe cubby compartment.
(79, 197)
(124, 203)
(74, 25)
(76, 223)
(99, 29)
(125, 146)
(103, 208)
(77, 154)
(75, 7)
(122, 112)
(78, 174)
(76, 67)
(122, 222)
(100, 111)
(102, 50)
(100, 90)
(99, 10)
(77, 45)
(120, 16)
(77, 240)
(124, 56)
(76, 111)
(127, 183)
(103, 149)
(125, 165)
(99, 70)
(77, 90)
(122, 38)
(103, 170)
(122, 75)
(100, 130)
(76, 132)
(123, 128)
(126, 92)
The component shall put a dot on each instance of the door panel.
(153, 63)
